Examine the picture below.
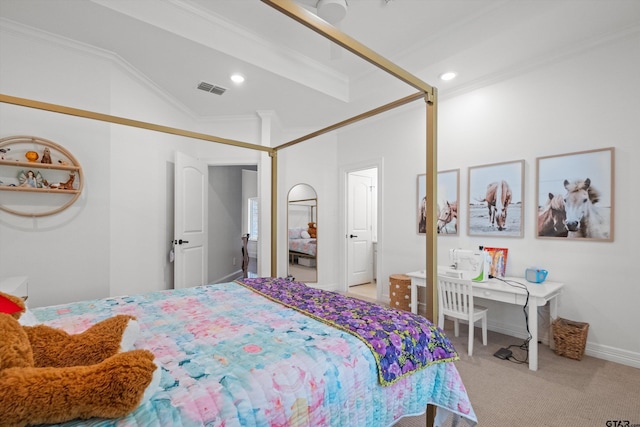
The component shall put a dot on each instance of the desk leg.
(553, 315)
(533, 328)
(414, 297)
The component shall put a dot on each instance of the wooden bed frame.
(426, 92)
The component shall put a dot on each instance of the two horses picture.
(575, 195)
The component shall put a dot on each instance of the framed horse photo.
(448, 195)
(575, 195)
(422, 204)
(496, 200)
(447, 203)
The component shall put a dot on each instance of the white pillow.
(305, 235)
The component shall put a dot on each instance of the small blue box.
(535, 274)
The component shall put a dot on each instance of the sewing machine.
(469, 264)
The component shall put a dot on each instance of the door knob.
(352, 236)
(182, 241)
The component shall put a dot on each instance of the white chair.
(455, 300)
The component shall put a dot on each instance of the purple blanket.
(401, 342)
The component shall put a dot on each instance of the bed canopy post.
(274, 212)
(431, 189)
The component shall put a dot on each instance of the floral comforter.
(401, 342)
(231, 357)
(303, 246)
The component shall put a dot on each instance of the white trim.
(612, 354)
(229, 277)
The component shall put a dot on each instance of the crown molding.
(191, 22)
(46, 38)
(541, 61)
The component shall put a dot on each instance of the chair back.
(455, 296)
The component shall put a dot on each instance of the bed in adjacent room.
(268, 352)
(301, 245)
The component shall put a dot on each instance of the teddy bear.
(49, 376)
(312, 230)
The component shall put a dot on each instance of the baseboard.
(599, 351)
(509, 330)
(612, 354)
(229, 277)
(605, 352)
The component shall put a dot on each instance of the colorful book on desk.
(498, 261)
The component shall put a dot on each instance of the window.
(253, 218)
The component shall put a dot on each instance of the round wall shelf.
(37, 177)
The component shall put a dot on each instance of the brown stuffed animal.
(49, 376)
(312, 230)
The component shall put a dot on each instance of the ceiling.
(305, 80)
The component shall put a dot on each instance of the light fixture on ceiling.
(332, 11)
(237, 78)
(448, 76)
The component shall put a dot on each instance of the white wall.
(583, 102)
(398, 137)
(115, 239)
(314, 163)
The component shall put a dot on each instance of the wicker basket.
(400, 291)
(570, 338)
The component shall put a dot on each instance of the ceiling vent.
(208, 87)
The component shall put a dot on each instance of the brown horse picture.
(498, 198)
(422, 215)
(552, 218)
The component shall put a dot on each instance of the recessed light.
(448, 76)
(237, 78)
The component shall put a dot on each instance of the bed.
(243, 354)
(301, 245)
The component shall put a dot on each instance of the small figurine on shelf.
(2, 152)
(30, 179)
(63, 163)
(46, 156)
(69, 184)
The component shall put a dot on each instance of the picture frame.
(499, 256)
(448, 216)
(446, 199)
(575, 195)
(421, 204)
(489, 215)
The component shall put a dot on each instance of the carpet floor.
(562, 393)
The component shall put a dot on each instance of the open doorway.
(361, 216)
(233, 213)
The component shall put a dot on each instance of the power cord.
(525, 345)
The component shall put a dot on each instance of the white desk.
(496, 290)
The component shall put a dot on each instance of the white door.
(190, 228)
(359, 248)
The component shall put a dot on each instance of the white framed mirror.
(302, 233)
